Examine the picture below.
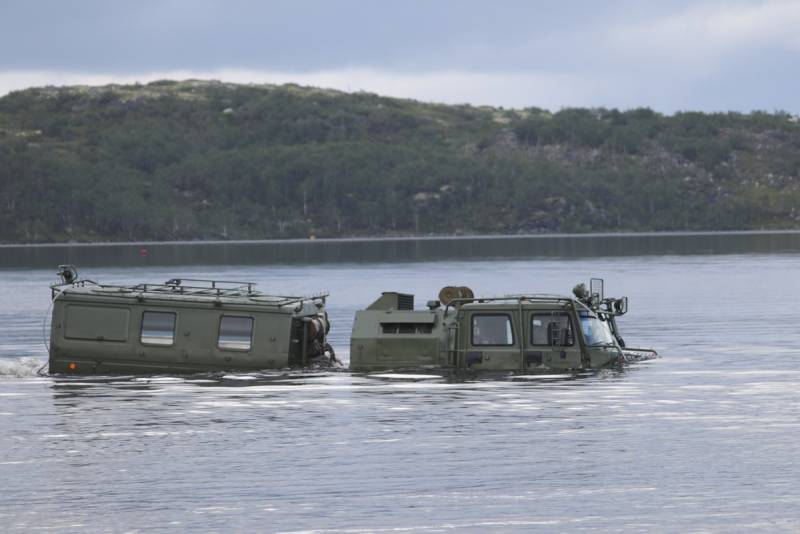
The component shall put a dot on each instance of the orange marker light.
(71, 366)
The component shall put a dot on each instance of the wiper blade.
(601, 344)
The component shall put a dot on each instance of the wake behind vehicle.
(509, 333)
(182, 326)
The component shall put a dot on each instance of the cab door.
(492, 341)
(552, 341)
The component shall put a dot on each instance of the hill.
(210, 160)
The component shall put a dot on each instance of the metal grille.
(405, 302)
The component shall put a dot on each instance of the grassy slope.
(205, 160)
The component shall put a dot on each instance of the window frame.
(562, 313)
(174, 329)
(491, 314)
(252, 332)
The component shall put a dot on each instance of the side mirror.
(596, 288)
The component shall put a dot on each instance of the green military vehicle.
(510, 333)
(182, 326)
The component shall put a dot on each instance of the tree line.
(208, 160)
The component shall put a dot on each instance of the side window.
(552, 329)
(96, 323)
(235, 333)
(492, 329)
(158, 328)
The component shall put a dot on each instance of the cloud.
(710, 55)
(702, 38)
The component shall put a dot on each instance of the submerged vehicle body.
(510, 333)
(182, 326)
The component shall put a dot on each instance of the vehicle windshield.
(595, 331)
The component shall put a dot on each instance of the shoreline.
(376, 239)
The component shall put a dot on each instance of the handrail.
(513, 298)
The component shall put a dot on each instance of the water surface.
(703, 439)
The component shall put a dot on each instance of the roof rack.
(176, 286)
(219, 286)
(197, 287)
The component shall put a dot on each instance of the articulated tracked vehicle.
(509, 333)
(192, 325)
(182, 326)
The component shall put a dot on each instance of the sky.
(707, 55)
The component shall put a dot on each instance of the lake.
(702, 439)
